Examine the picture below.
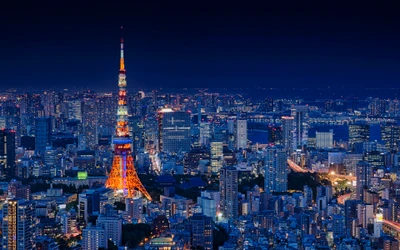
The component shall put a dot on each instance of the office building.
(241, 134)
(228, 187)
(287, 133)
(300, 126)
(363, 176)
(358, 133)
(42, 134)
(276, 171)
(202, 231)
(19, 225)
(217, 156)
(75, 110)
(209, 202)
(112, 225)
(93, 237)
(7, 152)
(175, 132)
(324, 139)
(205, 134)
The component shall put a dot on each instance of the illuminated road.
(341, 199)
(297, 168)
(394, 225)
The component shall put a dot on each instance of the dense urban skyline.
(182, 44)
(296, 144)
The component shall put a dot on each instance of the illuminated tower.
(123, 175)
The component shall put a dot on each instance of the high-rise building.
(358, 133)
(90, 122)
(112, 225)
(205, 134)
(43, 131)
(390, 135)
(202, 231)
(275, 135)
(241, 134)
(377, 107)
(228, 187)
(324, 139)
(19, 225)
(217, 156)
(287, 133)
(88, 204)
(176, 132)
(300, 126)
(365, 214)
(276, 171)
(75, 110)
(7, 152)
(93, 237)
(363, 176)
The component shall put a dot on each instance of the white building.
(93, 237)
(241, 134)
(113, 228)
(324, 139)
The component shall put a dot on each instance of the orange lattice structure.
(123, 175)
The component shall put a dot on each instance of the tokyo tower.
(123, 175)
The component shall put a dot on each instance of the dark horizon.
(176, 45)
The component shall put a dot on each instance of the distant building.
(217, 156)
(324, 139)
(276, 170)
(7, 152)
(300, 128)
(228, 187)
(287, 133)
(175, 132)
(42, 134)
(241, 134)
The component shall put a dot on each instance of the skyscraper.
(90, 122)
(241, 134)
(19, 225)
(7, 152)
(275, 169)
(176, 132)
(217, 156)
(358, 133)
(300, 129)
(287, 127)
(42, 134)
(228, 187)
(363, 176)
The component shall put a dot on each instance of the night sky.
(66, 44)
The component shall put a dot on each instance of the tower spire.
(121, 60)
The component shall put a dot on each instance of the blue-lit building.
(176, 132)
(42, 134)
